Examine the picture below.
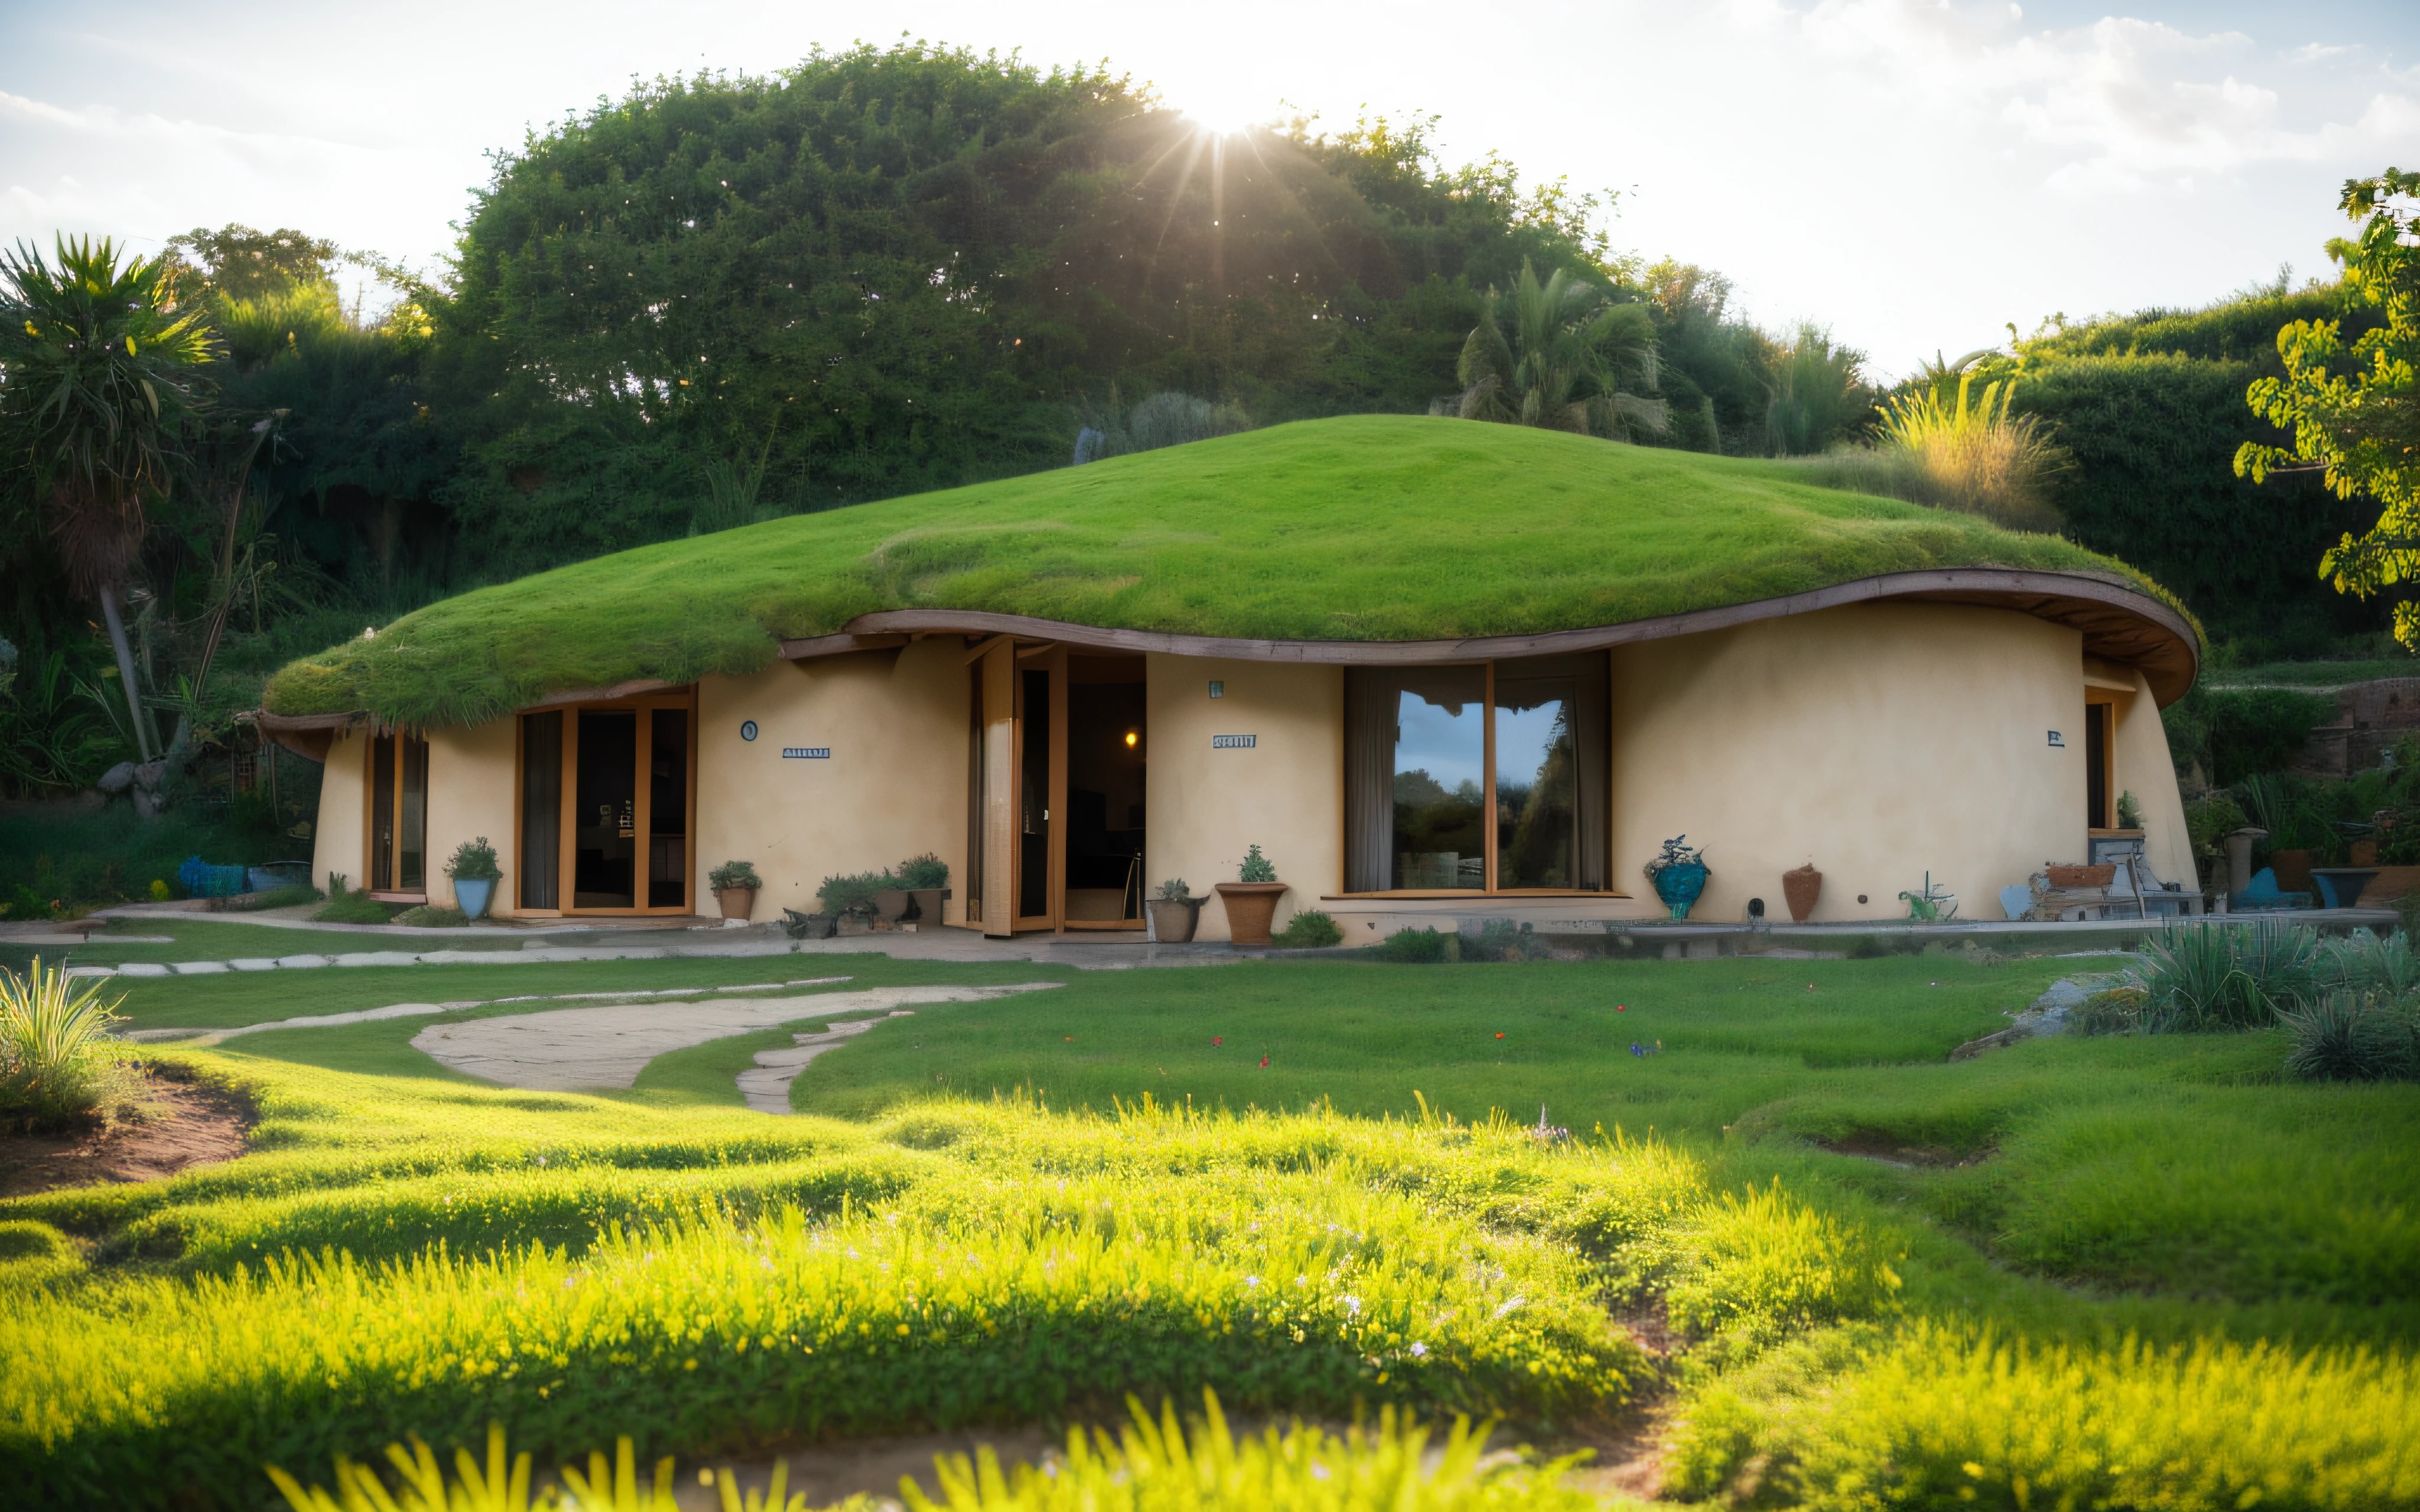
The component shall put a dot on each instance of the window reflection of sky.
(1523, 738)
(1429, 739)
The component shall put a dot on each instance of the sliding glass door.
(607, 807)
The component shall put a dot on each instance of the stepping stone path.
(768, 1088)
(596, 1049)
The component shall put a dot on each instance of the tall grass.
(2205, 976)
(1150, 1465)
(58, 1066)
(1962, 451)
(1944, 1416)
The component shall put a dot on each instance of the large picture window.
(1483, 778)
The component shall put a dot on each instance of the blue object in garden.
(2340, 886)
(202, 880)
(2262, 893)
(276, 875)
(473, 894)
(1679, 874)
(2016, 902)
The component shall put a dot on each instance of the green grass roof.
(1369, 528)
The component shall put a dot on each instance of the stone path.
(202, 1039)
(768, 1088)
(589, 1049)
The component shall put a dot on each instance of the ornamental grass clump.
(58, 1064)
(2202, 978)
(2349, 1036)
(1943, 1415)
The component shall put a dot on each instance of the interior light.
(1130, 739)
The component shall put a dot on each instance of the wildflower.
(1419, 1351)
(1510, 1306)
(1499, 1034)
(1217, 1039)
(1264, 1063)
(1252, 1282)
(1351, 1305)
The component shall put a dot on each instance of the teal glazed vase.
(473, 893)
(1679, 884)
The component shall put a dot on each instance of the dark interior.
(605, 810)
(1105, 754)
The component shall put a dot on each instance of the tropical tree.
(1814, 390)
(1563, 355)
(2354, 409)
(97, 389)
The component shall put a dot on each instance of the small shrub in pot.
(735, 884)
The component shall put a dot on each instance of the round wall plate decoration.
(748, 730)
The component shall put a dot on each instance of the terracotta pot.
(1173, 920)
(890, 903)
(2364, 852)
(1251, 908)
(1800, 888)
(924, 904)
(2082, 876)
(2293, 869)
(736, 903)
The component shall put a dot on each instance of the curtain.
(541, 852)
(1370, 697)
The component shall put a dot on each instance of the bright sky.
(1914, 172)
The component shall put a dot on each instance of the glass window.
(668, 808)
(541, 854)
(1440, 778)
(1418, 743)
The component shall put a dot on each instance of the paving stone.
(142, 969)
(253, 963)
(579, 1048)
(92, 971)
(298, 962)
(376, 957)
(199, 968)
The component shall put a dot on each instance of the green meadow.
(2121, 1271)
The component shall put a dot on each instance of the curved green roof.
(1371, 528)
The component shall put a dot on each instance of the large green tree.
(97, 390)
(2353, 407)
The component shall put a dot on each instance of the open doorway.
(1105, 755)
(1055, 788)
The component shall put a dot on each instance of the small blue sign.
(748, 730)
(1233, 742)
(2058, 739)
(806, 753)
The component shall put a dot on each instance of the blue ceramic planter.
(1679, 884)
(473, 894)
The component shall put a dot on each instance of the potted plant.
(1679, 874)
(1174, 911)
(474, 873)
(1800, 888)
(735, 884)
(927, 877)
(1251, 899)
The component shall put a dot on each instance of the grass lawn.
(2131, 1272)
(1321, 530)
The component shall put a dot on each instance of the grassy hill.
(1367, 528)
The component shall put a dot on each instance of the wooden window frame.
(1489, 826)
(2095, 698)
(642, 806)
(395, 735)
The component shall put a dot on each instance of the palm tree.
(96, 390)
(1563, 355)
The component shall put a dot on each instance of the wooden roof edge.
(2082, 600)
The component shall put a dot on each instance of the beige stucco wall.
(340, 831)
(1878, 741)
(895, 785)
(1286, 793)
(2146, 769)
(472, 785)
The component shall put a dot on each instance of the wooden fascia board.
(2116, 617)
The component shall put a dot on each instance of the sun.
(1218, 114)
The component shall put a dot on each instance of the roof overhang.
(2118, 621)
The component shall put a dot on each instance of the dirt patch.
(1889, 1151)
(190, 1123)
